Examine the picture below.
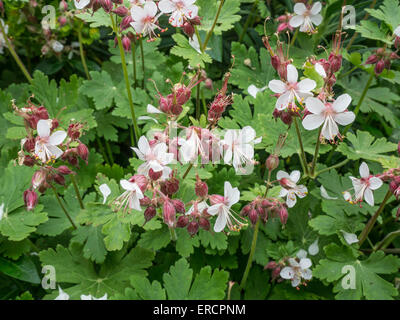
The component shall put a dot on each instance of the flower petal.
(277, 86)
(344, 118)
(316, 19)
(314, 105)
(292, 74)
(295, 176)
(369, 196)
(296, 21)
(342, 103)
(166, 6)
(220, 223)
(313, 249)
(305, 263)
(306, 85)
(283, 101)
(375, 183)
(43, 128)
(313, 121)
(282, 174)
(57, 137)
(316, 8)
(300, 8)
(287, 273)
(364, 170)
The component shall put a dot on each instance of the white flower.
(3, 43)
(253, 90)
(325, 195)
(62, 295)
(137, 2)
(180, 10)
(90, 297)
(328, 115)
(363, 187)
(349, 237)
(155, 157)
(239, 147)
(105, 191)
(193, 146)
(290, 188)
(131, 197)
(305, 18)
(223, 210)
(144, 19)
(57, 46)
(80, 4)
(297, 271)
(46, 145)
(200, 207)
(292, 90)
(397, 31)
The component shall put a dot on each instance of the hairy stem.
(83, 59)
(63, 207)
(364, 234)
(78, 195)
(14, 54)
(302, 154)
(209, 34)
(133, 48)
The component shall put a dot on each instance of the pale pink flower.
(144, 19)
(290, 189)
(305, 18)
(46, 145)
(180, 10)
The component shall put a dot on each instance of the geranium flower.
(291, 90)
(144, 19)
(297, 271)
(131, 197)
(80, 4)
(239, 147)
(290, 189)
(46, 145)
(180, 10)
(193, 146)
(363, 187)
(305, 17)
(3, 43)
(328, 114)
(221, 206)
(156, 157)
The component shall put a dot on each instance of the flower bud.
(169, 213)
(246, 210)
(121, 11)
(188, 29)
(204, 224)
(196, 21)
(54, 124)
(62, 21)
(29, 145)
(155, 175)
(107, 5)
(149, 213)
(372, 59)
(182, 222)
(126, 22)
(201, 188)
(182, 94)
(193, 228)
(380, 65)
(216, 198)
(253, 216)
(394, 56)
(58, 178)
(208, 83)
(140, 180)
(336, 61)
(165, 103)
(179, 205)
(64, 170)
(286, 118)
(63, 5)
(38, 178)
(272, 162)
(126, 43)
(171, 186)
(283, 215)
(29, 161)
(271, 265)
(83, 152)
(30, 199)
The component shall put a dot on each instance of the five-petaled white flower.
(328, 115)
(363, 187)
(46, 145)
(239, 148)
(290, 188)
(180, 10)
(80, 4)
(131, 197)
(155, 157)
(222, 207)
(297, 270)
(305, 17)
(144, 19)
(62, 295)
(291, 90)
(3, 43)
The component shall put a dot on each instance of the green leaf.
(23, 269)
(184, 49)
(367, 282)
(370, 30)
(146, 290)
(155, 239)
(388, 12)
(214, 240)
(185, 243)
(100, 88)
(93, 241)
(14, 249)
(98, 19)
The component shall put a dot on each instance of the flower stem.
(340, 164)
(143, 65)
(198, 38)
(371, 222)
(172, 233)
(387, 240)
(83, 59)
(14, 54)
(316, 153)
(187, 171)
(127, 84)
(63, 207)
(198, 102)
(134, 64)
(302, 154)
(294, 37)
(209, 34)
(252, 251)
(247, 23)
(78, 195)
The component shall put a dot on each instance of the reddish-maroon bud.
(145, 201)
(140, 180)
(54, 124)
(193, 228)
(126, 22)
(253, 216)
(208, 83)
(155, 175)
(149, 213)
(182, 222)
(30, 199)
(394, 56)
(83, 152)
(266, 204)
(107, 5)
(38, 178)
(201, 188)
(182, 94)
(176, 109)
(121, 11)
(276, 273)
(246, 210)
(58, 178)
(171, 186)
(64, 170)
(165, 103)
(283, 214)
(29, 161)
(275, 62)
(188, 29)
(196, 21)
(42, 113)
(393, 186)
(272, 162)
(276, 113)
(169, 213)
(126, 43)
(379, 67)
(204, 224)
(372, 59)
(74, 130)
(29, 145)
(179, 205)
(336, 61)
(62, 21)
(286, 118)
(271, 265)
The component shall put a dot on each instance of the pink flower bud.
(188, 29)
(246, 210)
(74, 130)
(372, 59)
(204, 224)
(63, 5)
(182, 94)
(253, 216)
(62, 21)
(29, 161)
(64, 170)
(126, 43)
(276, 273)
(30, 199)
(216, 198)
(286, 118)
(54, 124)
(179, 205)
(107, 5)
(155, 175)
(380, 65)
(336, 61)
(394, 56)
(140, 180)
(176, 109)
(196, 21)
(283, 215)
(149, 213)
(166, 103)
(58, 178)
(193, 228)
(29, 145)
(169, 213)
(38, 178)
(201, 188)
(271, 265)
(126, 22)
(208, 83)
(170, 186)
(83, 152)
(121, 11)
(272, 162)
(182, 222)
